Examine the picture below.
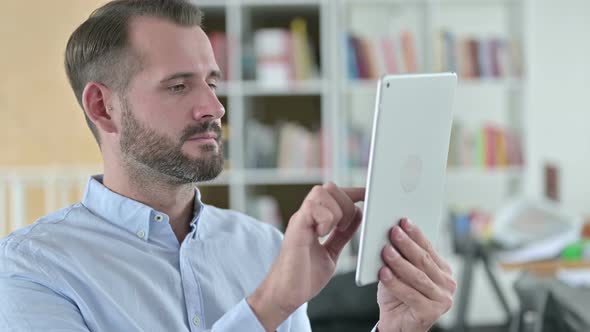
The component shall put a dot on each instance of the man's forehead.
(162, 41)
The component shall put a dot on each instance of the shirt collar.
(126, 213)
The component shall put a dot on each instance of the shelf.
(209, 4)
(505, 83)
(364, 85)
(368, 85)
(389, 2)
(269, 176)
(254, 88)
(275, 3)
(282, 176)
(455, 173)
(475, 172)
(474, 2)
(222, 89)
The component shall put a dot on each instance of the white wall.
(558, 122)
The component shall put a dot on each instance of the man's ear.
(97, 100)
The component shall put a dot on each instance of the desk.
(545, 268)
(553, 305)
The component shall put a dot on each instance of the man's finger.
(407, 294)
(356, 194)
(340, 237)
(416, 234)
(419, 257)
(345, 203)
(411, 275)
(323, 217)
(321, 197)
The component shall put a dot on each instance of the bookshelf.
(266, 117)
(331, 106)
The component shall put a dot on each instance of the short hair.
(99, 49)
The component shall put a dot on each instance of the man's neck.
(176, 200)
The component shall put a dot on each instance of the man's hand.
(415, 286)
(304, 265)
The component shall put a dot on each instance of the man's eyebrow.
(215, 74)
(177, 75)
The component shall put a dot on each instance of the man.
(141, 252)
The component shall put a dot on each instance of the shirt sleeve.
(239, 318)
(31, 304)
(242, 318)
(31, 307)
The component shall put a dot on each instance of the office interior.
(299, 91)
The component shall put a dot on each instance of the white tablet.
(408, 159)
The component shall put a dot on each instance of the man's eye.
(213, 86)
(177, 88)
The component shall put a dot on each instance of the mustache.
(202, 128)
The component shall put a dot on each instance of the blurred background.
(301, 80)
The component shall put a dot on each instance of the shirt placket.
(192, 290)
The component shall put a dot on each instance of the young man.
(141, 252)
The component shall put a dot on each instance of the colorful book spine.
(409, 51)
(488, 147)
(478, 57)
(389, 56)
(219, 43)
(351, 57)
(368, 58)
(301, 51)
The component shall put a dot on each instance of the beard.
(160, 155)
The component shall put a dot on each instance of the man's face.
(170, 115)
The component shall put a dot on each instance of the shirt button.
(159, 218)
(140, 234)
(197, 321)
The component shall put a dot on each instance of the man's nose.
(208, 105)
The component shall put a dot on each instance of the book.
(301, 50)
(409, 51)
(273, 56)
(351, 57)
(439, 56)
(484, 58)
(490, 146)
(361, 58)
(501, 149)
(283, 55)
(475, 57)
(260, 147)
(369, 58)
(465, 60)
(282, 145)
(390, 58)
(219, 43)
